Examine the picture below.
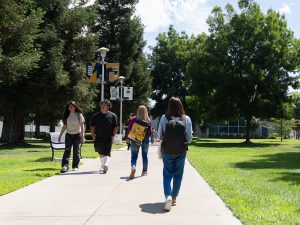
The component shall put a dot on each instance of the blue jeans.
(135, 152)
(173, 169)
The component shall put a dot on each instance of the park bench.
(55, 145)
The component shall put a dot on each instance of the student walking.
(175, 132)
(104, 127)
(74, 125)
(142, 117)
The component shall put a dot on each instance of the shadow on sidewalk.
(78, 173)
(153, 208)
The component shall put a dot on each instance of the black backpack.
(174, 138)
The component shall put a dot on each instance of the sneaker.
(64, 169)
(132, 173)
(144, 173)
(173, 201)
(168, 203)
(75, 169)
(105, 168)
(101, 169)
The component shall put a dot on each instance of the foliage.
(169, 59)
(122, 32)
(246, 65)
(44, 45)
(19, 55)
(282, 127)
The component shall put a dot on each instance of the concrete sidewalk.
(86, 197)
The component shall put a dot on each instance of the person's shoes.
(132, 173)
(168, 203)
(173, 201)
(75, 169)
(144, 173)
(64, 169)
(105, 168)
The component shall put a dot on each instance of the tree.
(169, 60)
(246, 64)
(19, 54)
(65, 43)
(122, 32)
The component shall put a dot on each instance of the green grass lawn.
(29, 163)
(260, 182)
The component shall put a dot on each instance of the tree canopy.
(246, 66)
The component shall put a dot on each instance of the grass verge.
(259, 182)
(25, 164)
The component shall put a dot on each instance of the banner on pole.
(128, 93)
(93, 72)
(114, 93)
(112, 72)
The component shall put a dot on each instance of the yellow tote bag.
(137, 132)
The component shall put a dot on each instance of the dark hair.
(67, 111)
(131, 114)
(107, 102)
(175, 107)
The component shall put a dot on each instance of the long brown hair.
(67, 111)
(142, 113)
(175, 107)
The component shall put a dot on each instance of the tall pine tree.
(122, 32)
(19, 27)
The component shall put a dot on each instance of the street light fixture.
(121, 80)
(102, 51)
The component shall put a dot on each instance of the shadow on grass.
(232, 145)
(287, 160)
(153, 208)
(26, 145)
(41, 169)
(293, 178)
(43, 159)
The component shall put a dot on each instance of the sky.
(191, 15)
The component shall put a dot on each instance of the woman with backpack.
(175, 132)
(74, 125)
(143, 119)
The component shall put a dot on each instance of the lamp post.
(121, 80)
(102, 51)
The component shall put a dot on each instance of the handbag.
(138, 131)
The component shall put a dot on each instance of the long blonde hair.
(142, 113)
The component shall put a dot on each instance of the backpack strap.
(168, 117)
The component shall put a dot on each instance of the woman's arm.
(63, 129)
(82, 137)
(189, 129)
(160, 132)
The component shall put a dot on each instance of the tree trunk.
(248, 123)
(13, 131)
(281, 130)
(52, 124)
(37, 121)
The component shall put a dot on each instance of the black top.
(104, 124)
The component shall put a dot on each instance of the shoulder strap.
(168, 117)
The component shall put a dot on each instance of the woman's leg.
(177, 179)
(145, 147)
(134, 154)
(76, 147)
(68, 146)
(168, 173)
